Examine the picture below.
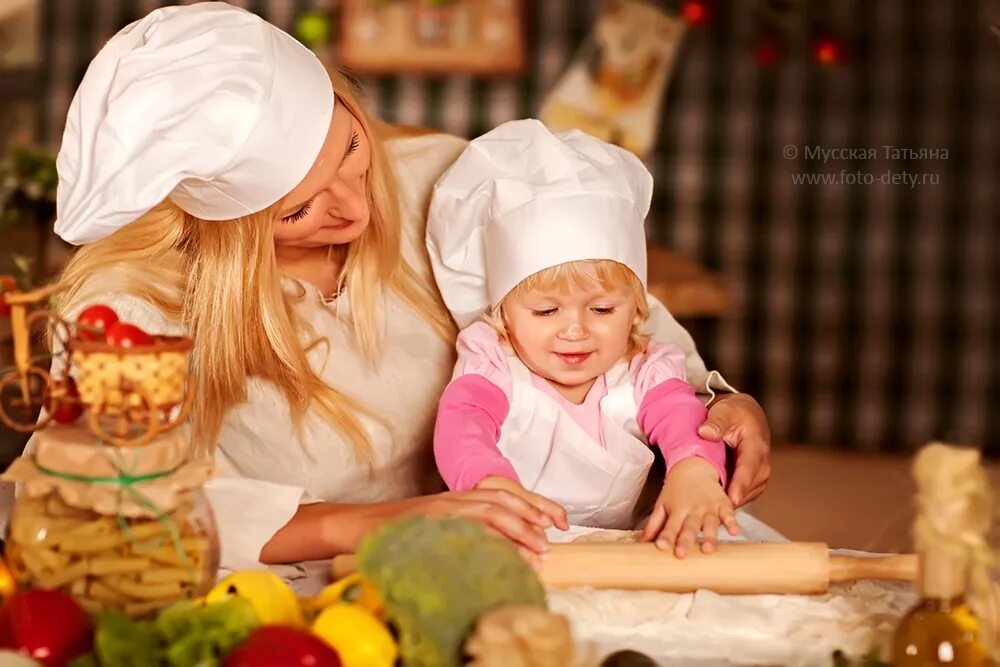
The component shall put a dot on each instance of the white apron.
(555, 457)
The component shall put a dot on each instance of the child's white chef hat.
(520, 199)
(207, 104)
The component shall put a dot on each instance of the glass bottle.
(942, 628)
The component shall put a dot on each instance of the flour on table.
(704, 629)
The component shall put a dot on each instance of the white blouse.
(266, 470)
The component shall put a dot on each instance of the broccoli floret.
(436, 576)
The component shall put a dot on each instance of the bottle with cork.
(950, 623)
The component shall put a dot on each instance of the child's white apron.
(555, 457)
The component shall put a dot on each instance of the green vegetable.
(121, 642)
(197, 636)
(436, 577)
(185, 634)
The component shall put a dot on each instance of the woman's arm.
(324, 530)
(740, 422)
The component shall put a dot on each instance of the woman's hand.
(739, 421)
(499, 511)
(692, 499)
(553, 511)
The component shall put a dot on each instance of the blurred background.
(825, 219)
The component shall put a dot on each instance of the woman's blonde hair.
(222, 276)
(581, 275)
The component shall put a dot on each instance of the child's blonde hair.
(581, 275)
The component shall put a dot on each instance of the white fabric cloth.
(520, 200)
(554, 455)
(704, 629)
(265, 471)
(207, 104)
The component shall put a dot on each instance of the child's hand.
(692, 499)
(552, 510)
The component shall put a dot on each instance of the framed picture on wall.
(483, 37)
(614, 86)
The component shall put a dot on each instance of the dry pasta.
(138, 570)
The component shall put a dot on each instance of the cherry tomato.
(126, 335)
(67, 409)
(7, 284)
(94, 322)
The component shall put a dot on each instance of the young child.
(538, 246)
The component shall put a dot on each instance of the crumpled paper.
(704, 628)
(73, 453)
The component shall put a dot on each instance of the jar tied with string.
(124, 528)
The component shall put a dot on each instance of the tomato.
(282, 646)
(124, 335)
(7, 284)
(47, 626)
(94, 322)
(68, 408)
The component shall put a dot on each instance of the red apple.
(94, 322)
(7, 284)
(69, 408)
(282, 646)
(47, 626)
(120, 334)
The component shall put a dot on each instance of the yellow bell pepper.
(272, 600)
(356, 635)
(354, 589)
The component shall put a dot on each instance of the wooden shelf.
(685, 287)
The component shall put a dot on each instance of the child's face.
(571, 337)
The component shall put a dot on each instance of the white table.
(704, 628)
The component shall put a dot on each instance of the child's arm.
(467, 431)
(465, 443)
(670, 415)
(693, 497)
(470, 415)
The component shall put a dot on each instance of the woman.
(227, 192)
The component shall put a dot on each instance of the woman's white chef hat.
(520, 199)
(207, 104)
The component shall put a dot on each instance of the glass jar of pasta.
(118, 528)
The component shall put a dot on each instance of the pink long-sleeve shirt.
(476, 403)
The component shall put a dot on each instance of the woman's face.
(330, 205)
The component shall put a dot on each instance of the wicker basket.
(139, 386)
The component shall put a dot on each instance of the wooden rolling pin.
(774, 567)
